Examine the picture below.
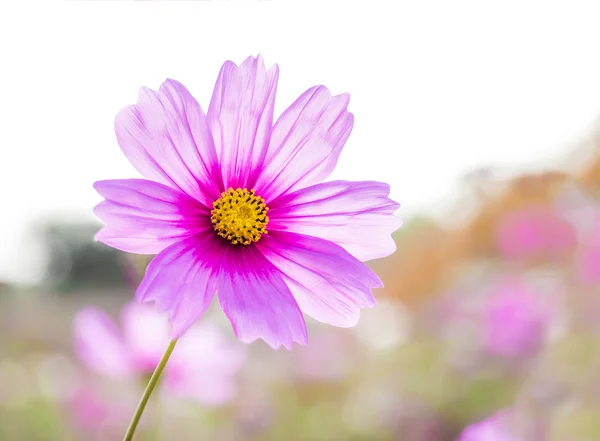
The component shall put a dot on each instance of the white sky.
(438, 88)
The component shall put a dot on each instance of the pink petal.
(328, 283)
(358, 216)
(147, 334)
(257, 301)
(240, 117)
(306, 142)
(180, 280)
(99, 345)
(145, 217)
(493, 428)
(166, 138)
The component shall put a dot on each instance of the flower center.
(240, 216)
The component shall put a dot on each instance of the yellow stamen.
(240, 216)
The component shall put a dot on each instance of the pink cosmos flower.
(516, 319)
(534, 232)
(202, 366)
(235, 204)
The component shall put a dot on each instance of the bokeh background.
(483, 118)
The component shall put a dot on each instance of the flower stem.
(149, 389)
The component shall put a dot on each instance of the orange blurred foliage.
(430, 255)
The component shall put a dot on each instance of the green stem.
(149, 389)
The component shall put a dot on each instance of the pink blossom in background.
(515, 319)
(534, 232)
(233, 202)
(490, 429)
(202, 367)
(95, 416)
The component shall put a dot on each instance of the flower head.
(515, 319)
(202, 367)
(235, 204)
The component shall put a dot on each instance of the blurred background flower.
(515, 320)
(202, 367)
